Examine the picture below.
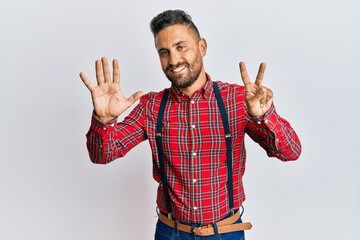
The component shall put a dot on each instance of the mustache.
(172, 67)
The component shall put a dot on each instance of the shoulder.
(232, 94)
(230, 88)
(152, 98)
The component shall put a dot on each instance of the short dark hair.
(172, 17)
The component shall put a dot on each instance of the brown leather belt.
(224, 226)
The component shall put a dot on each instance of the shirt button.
(192, 101)
(104, 128)
(112, 125)
(277, 139)
(193, 126)
(194, 154)
(266, 121)
(195, 208)
(259, 122)
(194, 180)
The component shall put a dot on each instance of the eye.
(181, 47)
(163, 53)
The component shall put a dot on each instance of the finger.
(262, 102)
(262, 93)
(106, 71)
(116, 71)
(86, 81)
(133, 98)
(244, 75)
(259, 94)
(99, 72)
(260, 75)
(269, 95)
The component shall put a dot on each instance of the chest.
(195, 127)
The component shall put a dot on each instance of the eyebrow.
(174, 45)
(178, 43)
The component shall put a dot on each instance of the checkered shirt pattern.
(194, 146)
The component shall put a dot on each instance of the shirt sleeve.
(109, 141)
(275, 135)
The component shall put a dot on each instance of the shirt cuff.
(269, 122)
(98, 125)
(267, 119)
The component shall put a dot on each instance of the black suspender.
(160, 149)
(228, 148)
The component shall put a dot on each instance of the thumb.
(133, 98)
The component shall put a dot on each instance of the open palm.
(108, 100)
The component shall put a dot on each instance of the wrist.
(103, 119)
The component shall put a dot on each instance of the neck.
(197, 85)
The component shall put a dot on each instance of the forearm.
(100, 141)
(275, 135)
(111, 140)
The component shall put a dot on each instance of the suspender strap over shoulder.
(228, 148)
(228, 145)
(160, 151)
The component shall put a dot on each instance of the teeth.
(179, 69)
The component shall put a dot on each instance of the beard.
(186, 79)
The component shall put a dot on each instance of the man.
(196, 132)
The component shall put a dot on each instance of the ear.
(202, 47)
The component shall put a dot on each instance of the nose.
(174, 58)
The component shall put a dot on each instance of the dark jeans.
(164, 232)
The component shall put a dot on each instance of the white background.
(50, 189)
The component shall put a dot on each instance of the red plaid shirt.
(194, 146)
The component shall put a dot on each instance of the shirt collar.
(204, 92)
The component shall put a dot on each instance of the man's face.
(181, 54)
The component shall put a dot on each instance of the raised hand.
(107, 98)
(257, 97)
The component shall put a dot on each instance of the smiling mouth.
(178, 69)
